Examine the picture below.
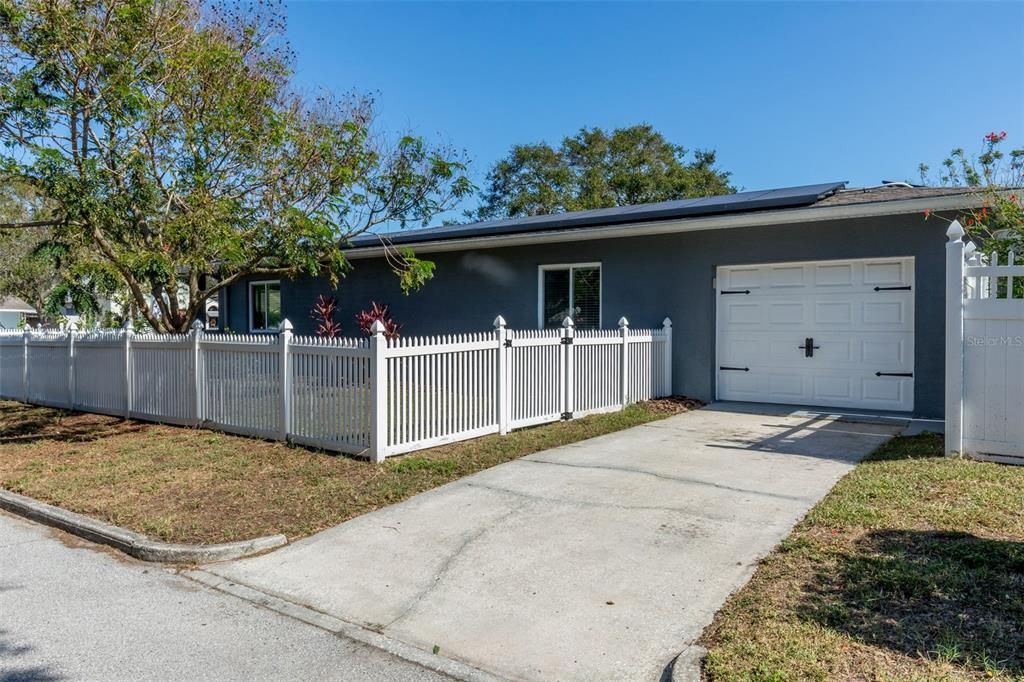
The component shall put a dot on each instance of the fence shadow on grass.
(21, 423)
(949, 596)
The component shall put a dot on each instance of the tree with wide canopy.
(176, 158)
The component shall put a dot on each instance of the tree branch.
(31, 224)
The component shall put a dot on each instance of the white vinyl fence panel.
(48, 375)
(375, 396)
(100, 371)
(985, 354)
(12, 365)
(163, 386)
(241, 384)
(597, 368)
(440, 389)
(650, 365)
(330, 393)
(537, 372)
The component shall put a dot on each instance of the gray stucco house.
(814, 295)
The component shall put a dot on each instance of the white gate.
(984, 354)
(536, 375)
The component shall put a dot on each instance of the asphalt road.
(70, 610)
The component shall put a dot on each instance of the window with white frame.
(571, 290)
(264, 306)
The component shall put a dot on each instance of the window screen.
(572, 291)
(266, 306)
(586, 297)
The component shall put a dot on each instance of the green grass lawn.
(911, 568)
(193, 485)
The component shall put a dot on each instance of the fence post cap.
(667, 322)
(197, 325)
(127, 326)
(969, 249)
(378, 328)
(499, 322)
(286, 325)
(955, 231)
(623, 322)
(568, 323)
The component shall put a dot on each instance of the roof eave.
(764, 218)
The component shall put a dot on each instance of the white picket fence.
(984, 354)
(374, 397)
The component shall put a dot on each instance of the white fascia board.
(722, 222)
(27, 309)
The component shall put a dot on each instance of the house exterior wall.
(645, 278)
(9, 319)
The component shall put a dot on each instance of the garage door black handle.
(808, 348)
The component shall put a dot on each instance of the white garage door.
(824, 333)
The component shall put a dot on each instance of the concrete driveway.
(600, 560)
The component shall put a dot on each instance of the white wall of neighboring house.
(211, 307)
(107, 305)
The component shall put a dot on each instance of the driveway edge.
(133, 544)
(687, 666)
(435, 662)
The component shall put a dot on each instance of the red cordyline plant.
(366, 318)
(323, 313)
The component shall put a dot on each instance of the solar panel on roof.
(786, 197)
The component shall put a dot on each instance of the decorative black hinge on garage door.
(894, 374)
(906, 288)
(743, 291)
(736, 369)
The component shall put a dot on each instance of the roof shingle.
(10, 304)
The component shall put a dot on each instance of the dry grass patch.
(911, 568)
(192, 485)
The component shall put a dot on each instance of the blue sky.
(787, 93)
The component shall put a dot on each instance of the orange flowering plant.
(996, 223)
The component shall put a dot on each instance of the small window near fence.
(570, 291)
(264, 306)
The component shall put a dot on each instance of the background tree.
(37, 268)
(168, 141)
(996, 225)
(597, 169)
(26, 270)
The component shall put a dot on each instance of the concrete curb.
(133, 544)
(436, 662)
